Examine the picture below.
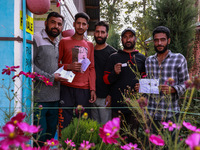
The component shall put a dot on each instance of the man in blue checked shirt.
(171, 70)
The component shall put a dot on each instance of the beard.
(52, 33)
(163, 51)
(132, 45)
(100, 42)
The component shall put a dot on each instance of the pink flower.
(11, 137)
(170, 125)
(19, 117)
(52, 142)
(28, 147)
(130, 146)
(21, 72)
(70, 143)
(46, 81)
(189, 126)
(86, 145)
(9, 69)
(142, 101)
(157, 140)
(25, 127)
(193, 141)
(108, 132)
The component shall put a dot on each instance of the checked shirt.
(175, 66)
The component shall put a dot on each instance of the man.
(45, 60)
(81, 91)
(165, 66)
(119, 75)
(102, 51)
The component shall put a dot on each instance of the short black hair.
(102, 23)
(162, 29)
(54, 14)
(82, 15)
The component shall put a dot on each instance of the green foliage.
(113, 38)
(140, 9)
(180, 17)
(87, 130)
(110, 11)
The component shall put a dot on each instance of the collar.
(45, 36)
(168, 55)
(133, 52)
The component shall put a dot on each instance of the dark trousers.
(71, 97)
(48, 121)
(131, 121)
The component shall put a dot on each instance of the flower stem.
(101, 145)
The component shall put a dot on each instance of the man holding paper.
(170, 70)
(45, 58)
(77, 55)
(119, 75)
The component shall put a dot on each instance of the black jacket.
(126, 77)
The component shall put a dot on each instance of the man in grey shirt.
(45, 59)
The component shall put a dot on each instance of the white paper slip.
(85, 63)
(124, 65)
(69, 75)
(149, 86)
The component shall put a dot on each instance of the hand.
(137, 87)
(108, 101)
(57, 77)
(75, 66)
(166, 89)
(117, 68)
(93, 97)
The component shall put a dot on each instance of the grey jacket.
(45, 62)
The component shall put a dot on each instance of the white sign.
(149, 86)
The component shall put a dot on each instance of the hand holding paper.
(149, 86)
(85, 63)
(69, 75)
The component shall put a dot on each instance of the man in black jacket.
(119, 75)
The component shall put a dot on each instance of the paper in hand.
(85, 63)
(69, 75)
(149, 86)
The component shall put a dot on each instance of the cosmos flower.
(70, 143)
(8, 69)
(108, 132)
(18, 75)
(157, 140)
(10, 137)
(170, 125)
(46, 81)
(86, 145)
(52, 142)
(25, 127)
(193, 141)
(189, 126)
(130, 146)
(19, 117)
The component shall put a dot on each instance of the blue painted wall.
(6, 51)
